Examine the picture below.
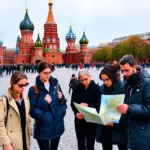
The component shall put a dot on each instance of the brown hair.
(42, 65)
(15, 78)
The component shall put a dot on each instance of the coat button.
(10, 115)
(11, 131)
(142, 128)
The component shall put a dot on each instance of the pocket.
(59, 113)
(47, 118)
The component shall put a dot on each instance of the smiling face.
(85, 80)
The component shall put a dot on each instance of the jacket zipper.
(128, 118)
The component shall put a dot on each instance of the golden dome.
(50, 2)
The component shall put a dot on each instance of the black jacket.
(90, 96)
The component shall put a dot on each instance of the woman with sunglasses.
(87, 93)
(15, 122)
(112, 133)
(48, 108)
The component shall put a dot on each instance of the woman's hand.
(79, 116)
(59, 95)
(8, 147)
(110, 125)
(48, 98)
(84, 104)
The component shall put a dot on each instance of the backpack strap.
(57, 86)
(36, 90)
(7, 107)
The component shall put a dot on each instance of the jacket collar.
(13, 104)
(40, 84)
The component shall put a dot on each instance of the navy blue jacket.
(118, 131)
(49, 118)
(138, 116)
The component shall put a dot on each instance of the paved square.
(68, 140)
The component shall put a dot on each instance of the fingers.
(59, 95)
(84, 104)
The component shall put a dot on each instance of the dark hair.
(112, 72)
(127, 59)
(73, 75)
(42, 65)
(17, 76)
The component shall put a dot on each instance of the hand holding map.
(108, 112)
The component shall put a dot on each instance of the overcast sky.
(103, 20)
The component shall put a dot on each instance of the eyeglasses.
(22, 85)
(83, 80)
(105, 80)
(46, 73)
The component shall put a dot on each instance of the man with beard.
(136, 110)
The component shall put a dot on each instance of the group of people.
(46, 104)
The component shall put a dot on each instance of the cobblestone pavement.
(68, 139)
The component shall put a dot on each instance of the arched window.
(55, 46)
(50, 47)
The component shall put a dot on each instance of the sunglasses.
(23, 85)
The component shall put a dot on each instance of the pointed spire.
(50, 18)
(50, 2)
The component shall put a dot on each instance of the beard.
(128, 77)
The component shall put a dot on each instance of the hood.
(144, 72)
(40, 84)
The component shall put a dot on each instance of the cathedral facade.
(28, 52)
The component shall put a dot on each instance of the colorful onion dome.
(70, 34)
(17, 50)
(38, 42)
(26, 24)
(84, 39)
(1, 42)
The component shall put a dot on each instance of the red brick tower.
(71, 38)
(37, 53)
(83, 43)
(1, 52)
(85, 54)
(51, 41)
(26, 43)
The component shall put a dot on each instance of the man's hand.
(79, 116)
(123, 108)
(110, 125)
(84, 104)
(8, 147)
